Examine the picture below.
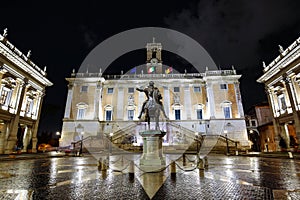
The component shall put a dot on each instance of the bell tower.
(154, 62)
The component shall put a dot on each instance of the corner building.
(281, 79)
(207, 103)
(22, 90)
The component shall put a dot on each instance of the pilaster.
(239, 99)
(166, 99)
(187, 102)
(120, 104)
(211, 100)
(69, 101)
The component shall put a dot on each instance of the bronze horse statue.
(153, 105)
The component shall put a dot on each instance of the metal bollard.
(201, 173)
(173, 168)
(131, 170)
(183, 160)
(205, 162)
(104, 165)
(200, 164)
(122, 161)
(236, 152)
(100, 164)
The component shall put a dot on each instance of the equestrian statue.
(152, 106)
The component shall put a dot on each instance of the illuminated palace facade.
(282, 80)
(207, 103)
(21, 94)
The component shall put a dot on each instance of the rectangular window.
(110, 90)
(197, 89)
(108, 115)
(80, 113)
(226, 112)
(223, 86)
(130, 90)
(84, 88)
(176, 89)
(283, 104)
(253, 123)
(130, 114)
(29, 105)
(4, 95)
(177, 114)
(199, 114)
(247, 123)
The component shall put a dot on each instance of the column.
(238, 99)
(293, 104)
(69, 101)
(25, 139)
(187, 102)
(2, 138)
(12, 138)
(36, 124)
(37, 105)
(275, 123)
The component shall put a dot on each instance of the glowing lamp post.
(80, 130)
(227, 147)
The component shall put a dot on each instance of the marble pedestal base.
(152, 148)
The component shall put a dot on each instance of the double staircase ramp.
(203, 143)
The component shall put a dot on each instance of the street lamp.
(227, 147)
(58, 139)
(80, 151)
(80, 129)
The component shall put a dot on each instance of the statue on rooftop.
(5, 32)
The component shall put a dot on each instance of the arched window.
(226, 106)
(282, 102)
(81, 110)
(177, 111)
(130, 112)
(108, 112)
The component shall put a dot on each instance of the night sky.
(60, 34)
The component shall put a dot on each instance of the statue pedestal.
(152, 148)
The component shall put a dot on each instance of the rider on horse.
(149, 93)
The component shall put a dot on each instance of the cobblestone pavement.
(79, 178)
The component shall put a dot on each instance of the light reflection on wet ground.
(79, 178)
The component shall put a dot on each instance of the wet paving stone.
(79, 178)
(189, 187)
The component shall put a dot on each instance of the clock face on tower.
(153, 61)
